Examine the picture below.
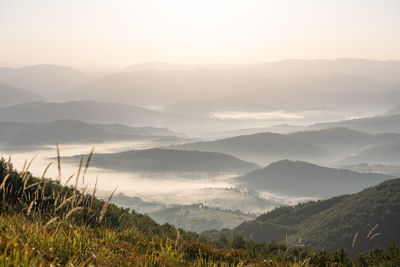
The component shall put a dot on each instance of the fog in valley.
(201, 114)
(234, 138)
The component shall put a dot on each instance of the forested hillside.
(357, 223)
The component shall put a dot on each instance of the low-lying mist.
(167, 188)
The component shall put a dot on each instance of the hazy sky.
(124, 32)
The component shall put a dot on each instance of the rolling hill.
(357, 222)
(87, 111)
(300, 178)
(10, 95)
(202, 91)
(384, 154)
(378, 124)
(15, 135)
(43, 79)
(168, 160)
(261, 147)
(341, 140)
(379, 70)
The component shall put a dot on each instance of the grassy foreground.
(44, 223)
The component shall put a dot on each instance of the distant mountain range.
(261, 147)
(87, 111)
(383, 154)
(43, 79)
(298, 178)
(388, 71)
(10, 95)
(168, 160)
(378, 124)
(202, 91)
(17, 135)
(342, 141)
(357, 222)
(318, 145)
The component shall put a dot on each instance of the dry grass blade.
(178, 236)
(87, 164)
(120, 217)
(32, 185)
(81, 196)
(72, 211)
(4, 181)
(58, 162)
(372, 230)
(23, 168)
(94, 193)
(372, 237)
(77, 175)
(30, 163)
(51, 221)
(305, 262)
(45, 170)
(106, 204)
(9, 163)
(30, 207)
(65, 202)
(354, 240)
(44, 188)
(69, 179)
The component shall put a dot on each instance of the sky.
(125, 32)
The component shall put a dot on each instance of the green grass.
(43, 223)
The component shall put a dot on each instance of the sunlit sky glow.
(124, 32)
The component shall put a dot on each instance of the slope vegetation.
(357, 222)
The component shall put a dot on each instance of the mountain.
(168, 160)
(298, 178)
(164, 66)
(14, 134)
(203, 91)
(152, 87)
(379, 70)
(261, 147)
(10, 95)
(384, 154)
(43, 79)
(341, 140)
(367, 219)
(110, 113)
(388, 71)
(87, 111)
(391, 170)
(378, 124)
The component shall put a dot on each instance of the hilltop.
(301, 178)
(28, 134)
(369, 218)
(260, 147)
(168, 160)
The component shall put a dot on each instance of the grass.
(43, 223)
